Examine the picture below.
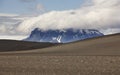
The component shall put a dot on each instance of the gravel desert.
(98, 56)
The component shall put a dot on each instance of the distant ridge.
(13, 45)
(104, 45)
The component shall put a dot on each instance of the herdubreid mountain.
(62, 36)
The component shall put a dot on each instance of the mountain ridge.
(62, 36)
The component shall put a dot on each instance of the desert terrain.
(97, 56)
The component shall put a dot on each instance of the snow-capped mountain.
(62, 36)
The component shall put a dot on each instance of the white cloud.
(9, 23)
(103, 15)
(111, 31)
(39, 7)
(10, 15)
(99, 14)
(27, 0)
(2, 29)
(13, 37)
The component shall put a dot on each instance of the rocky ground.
(59, 65)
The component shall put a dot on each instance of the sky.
(19, 17)
(30, 6)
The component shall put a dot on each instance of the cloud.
(95, 14)
(14, 37)
(9, 23)
(27, 0)
(98, 14)
(2, 29)
(39, 7)
(111, 31)
(4, 14)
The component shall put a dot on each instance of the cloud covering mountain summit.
(102, 15)
(98, 14)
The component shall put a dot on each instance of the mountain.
(62, 36)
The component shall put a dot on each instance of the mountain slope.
(105, 45)
(12, 45)
(62, 36)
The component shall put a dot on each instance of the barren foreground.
(59, 65)
(98, 56)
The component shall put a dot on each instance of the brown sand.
(107, 45)
(99, 56)
(59, 65)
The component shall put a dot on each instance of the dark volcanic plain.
(13, 45)
(98, 56)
